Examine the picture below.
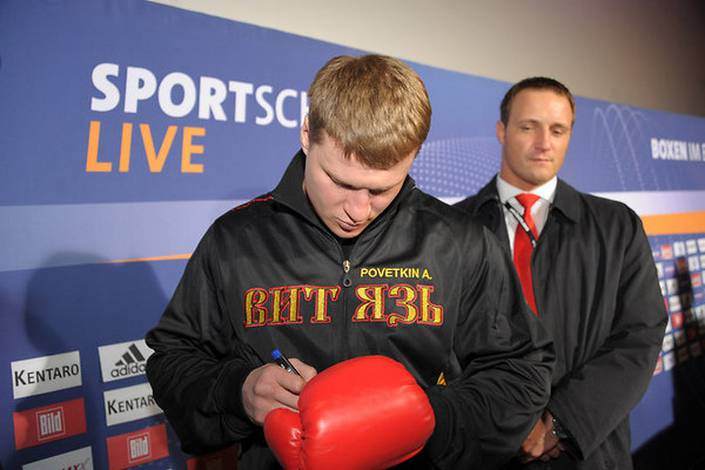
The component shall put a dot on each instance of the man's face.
(535, 139)
(346, 195)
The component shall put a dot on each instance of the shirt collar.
(546, 191)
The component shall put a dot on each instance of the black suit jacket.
(597, 292)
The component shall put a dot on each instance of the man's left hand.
(541, 443)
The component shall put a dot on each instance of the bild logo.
(44, 424)
(123, 360)
(51, 423)
(138, 447)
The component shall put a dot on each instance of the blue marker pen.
(284, 363)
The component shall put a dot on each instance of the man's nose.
(543, 139)
(357, 205)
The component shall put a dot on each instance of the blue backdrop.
(127, 127)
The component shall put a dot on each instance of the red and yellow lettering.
(431, 313)
(372, 297)
(406, 299)
(285, 299)
(320, 296)
(255, 310)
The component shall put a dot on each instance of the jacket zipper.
(346, 269)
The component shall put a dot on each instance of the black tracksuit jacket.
(597, 293)
(423, 284)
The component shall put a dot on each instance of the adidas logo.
(132, 355)
(122, 360)
(131, 363)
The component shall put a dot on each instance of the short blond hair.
(375, 107)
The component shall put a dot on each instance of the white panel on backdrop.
(122, 360)
(45, 374)
(129, 404)
(76, 459)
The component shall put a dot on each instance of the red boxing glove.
(361, 414)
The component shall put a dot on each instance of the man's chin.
(344, 231)
(348, 233)
(539, 178)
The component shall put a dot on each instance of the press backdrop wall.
(127, 127)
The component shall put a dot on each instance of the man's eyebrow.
(350, 186)
(536, 121)
(561, 125)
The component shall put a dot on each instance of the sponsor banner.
(49, 423)
(667, 251)
(79, 459)
(45, 374)
(123, 360)
(136, 448)
(691, 246)
(225, 459)
(129, 404)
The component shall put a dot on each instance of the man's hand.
(269, 387)
(541, 443)
(364, 413)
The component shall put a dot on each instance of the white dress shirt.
(539, 211)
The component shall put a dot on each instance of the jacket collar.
(567, 200)
(290, 192)
(487, 195)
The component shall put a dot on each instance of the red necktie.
(523, 249)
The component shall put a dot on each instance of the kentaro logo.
(45, 374)
(129, 404)
(123, 360)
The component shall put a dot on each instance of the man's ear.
(500, 130)
(304, 136)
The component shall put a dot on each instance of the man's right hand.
(270, 386)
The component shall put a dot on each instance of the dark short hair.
(534, 83)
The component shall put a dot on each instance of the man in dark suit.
(586, 270)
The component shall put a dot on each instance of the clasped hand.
(541, 443)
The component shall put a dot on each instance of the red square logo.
(677, 320)
(49, 423)
(138, 448)
(135, 448)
